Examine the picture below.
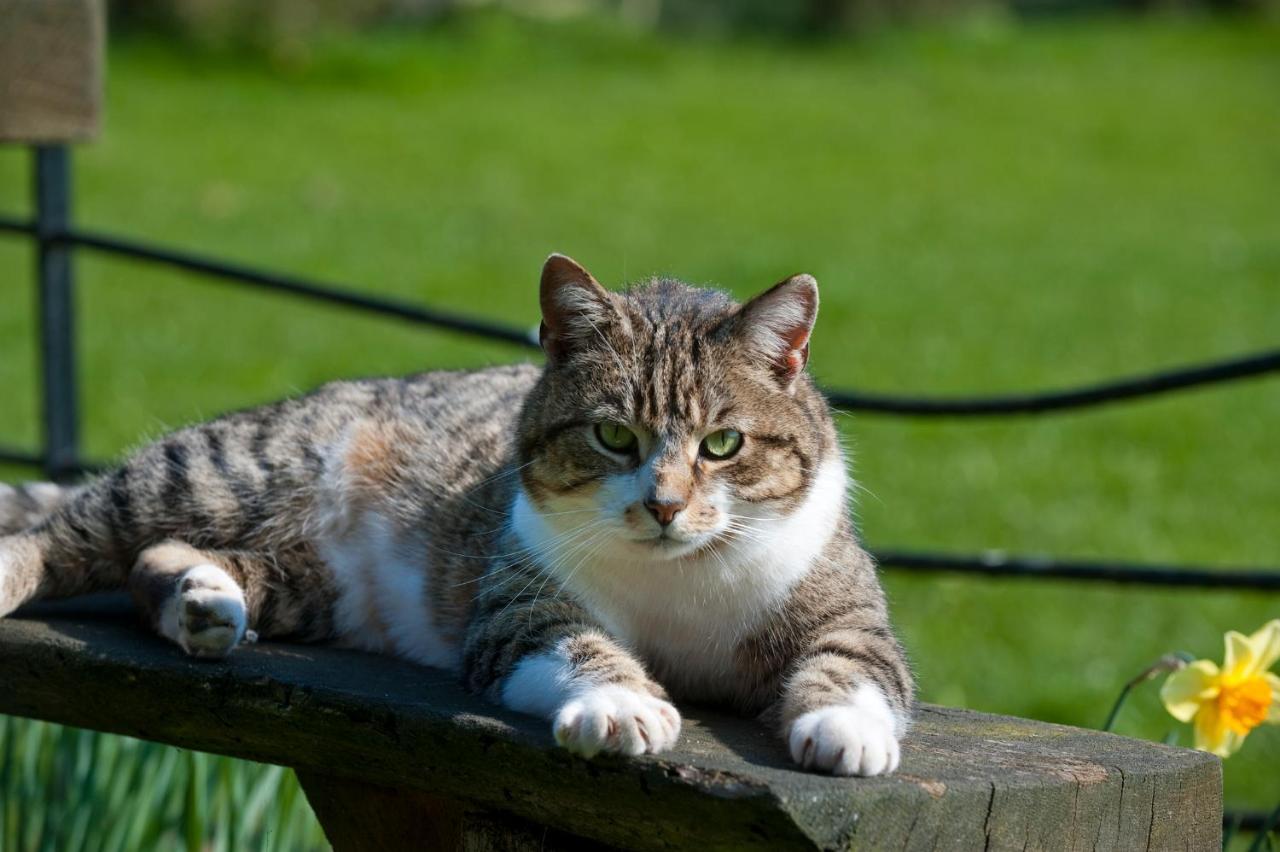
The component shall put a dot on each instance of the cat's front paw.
(616, 719)
(211, 615)
(846, 739)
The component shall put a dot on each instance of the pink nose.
(665, 511)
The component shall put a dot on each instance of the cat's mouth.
(662, 541)
(669, 546)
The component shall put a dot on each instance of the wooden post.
(50, 70)
(50, 95)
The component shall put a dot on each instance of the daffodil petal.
(1273, 712)
(1208, 731)
(1231, 742)
(1240, 659)
(1266, 645)
(1186, 691)
(1212, 735)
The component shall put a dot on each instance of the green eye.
(721, 444)
(616, 437)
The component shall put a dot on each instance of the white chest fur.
(686, 617)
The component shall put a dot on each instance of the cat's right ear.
(574, 306)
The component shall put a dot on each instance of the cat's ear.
(776, 325)
(574, 306)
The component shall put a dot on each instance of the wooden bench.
(393, 755)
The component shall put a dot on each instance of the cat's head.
(670, 421)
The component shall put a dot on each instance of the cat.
(660, 512)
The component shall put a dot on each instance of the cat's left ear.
(777, 325)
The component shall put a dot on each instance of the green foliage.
(287, 31)
(986, 208)
(73, 790)
(810, 17)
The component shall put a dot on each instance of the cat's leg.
(22, 567)
(847, 698)
(67, 550)
(86, 539)
(208, 601)
(549, 658)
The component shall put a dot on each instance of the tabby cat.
(660, 511)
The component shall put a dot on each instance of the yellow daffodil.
(1228, 703)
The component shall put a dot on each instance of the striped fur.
(23, 505)
(475, 521)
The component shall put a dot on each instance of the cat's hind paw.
(210, 612)
(847, 739)
(616, 719)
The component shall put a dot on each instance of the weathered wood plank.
(968, 780)
(365, 818)
(50, 69)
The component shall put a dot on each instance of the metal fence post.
(60, 413)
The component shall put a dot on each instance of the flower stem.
(1264, 832)
(1167, 663)
(1115, 708)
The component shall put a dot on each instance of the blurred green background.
(991, 200)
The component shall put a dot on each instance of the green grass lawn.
(986, 208)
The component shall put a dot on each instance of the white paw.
(210, 610)
(616, 719)
(846, 739)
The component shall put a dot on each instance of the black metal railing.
(57, 239)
